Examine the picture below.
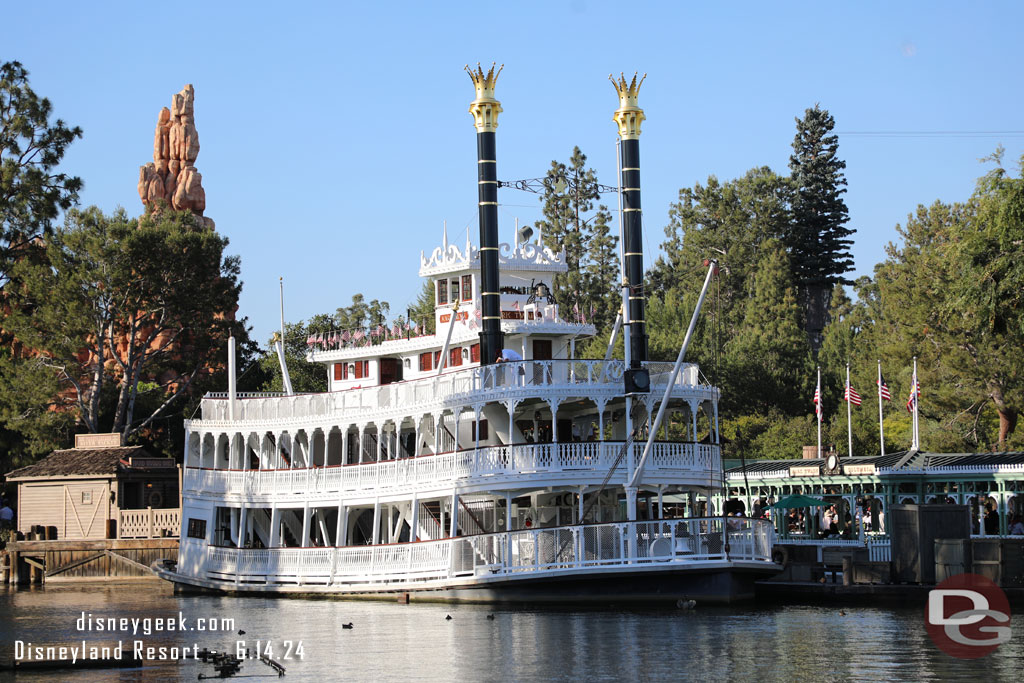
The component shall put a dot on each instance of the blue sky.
(336, 138)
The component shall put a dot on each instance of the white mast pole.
(819, 411)
(286, 380)
(916, 445)
(635, 481)
(881, 427)
(849, 418)
(232, 378)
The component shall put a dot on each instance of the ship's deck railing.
(527, 553)
(529, 376)
(696, 462)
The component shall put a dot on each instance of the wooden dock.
(31, 562)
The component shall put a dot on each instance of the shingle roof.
(79, 461)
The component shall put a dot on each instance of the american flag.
(915, 394)
(515, 305)
(817, 400)
(345, 337)
(851, 395)
(883, 388)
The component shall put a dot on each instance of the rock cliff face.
(172, 176)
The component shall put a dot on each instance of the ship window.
(474, 353)
(437, 358)
(425, 365)
(362, 369)
(442, 292)
(196, 528)
(339, 371)
(455, 357)
(483, 430)
(455, 290)
(467, 287)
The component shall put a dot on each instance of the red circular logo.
(967, 616)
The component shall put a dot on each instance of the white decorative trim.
(449, 258)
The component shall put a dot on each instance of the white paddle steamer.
(431, 471)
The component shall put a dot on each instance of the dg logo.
(968, 616)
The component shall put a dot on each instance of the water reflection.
(415, 642)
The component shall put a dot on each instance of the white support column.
(242, 523)
(380, 440)
(376, 522)
(414, 519)
(340, 526)
(275, 526)
(305, 525)
(661, 501)
(508, 508)
(579, 511)
(455, 515)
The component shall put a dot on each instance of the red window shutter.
(425, 362)
(474, 353)
(359, 369)
(338, 370)
(366, 368)
(455, 357)
(437, 359)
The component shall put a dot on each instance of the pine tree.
(31, 193)
(602, 272)
(818, 240)
(566, 225)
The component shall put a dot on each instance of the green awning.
(797, 501)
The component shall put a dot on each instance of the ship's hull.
(721, 582)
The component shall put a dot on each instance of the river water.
(389, 641)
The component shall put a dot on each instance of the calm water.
(415, 642)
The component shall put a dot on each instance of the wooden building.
(98, 490)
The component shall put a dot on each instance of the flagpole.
(881, 428)
(913, 390)
(819, 411)
(849, 418)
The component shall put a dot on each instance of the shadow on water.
(390, 641)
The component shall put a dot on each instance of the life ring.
(156, 499)
(780, 555)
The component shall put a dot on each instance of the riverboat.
(483, 463)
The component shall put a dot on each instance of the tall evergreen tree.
(570, 222)
(818, 240)
(32, 193)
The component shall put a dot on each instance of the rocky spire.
(172, 176)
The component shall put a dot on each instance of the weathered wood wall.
(90, 560)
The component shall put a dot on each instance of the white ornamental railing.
(698, 463)
(527, 552)
(879, 549)
(149, 523)
(499, 377)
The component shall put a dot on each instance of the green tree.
(726, 221)
(767, 357)
(421, 312)
(818, 239)
(130, 312)
(950, 294)
(32, 193)
(571, 222)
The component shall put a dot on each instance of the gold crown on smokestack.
(484, 108)
(629, 115)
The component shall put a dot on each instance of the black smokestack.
(628, 117)
(485, 110)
